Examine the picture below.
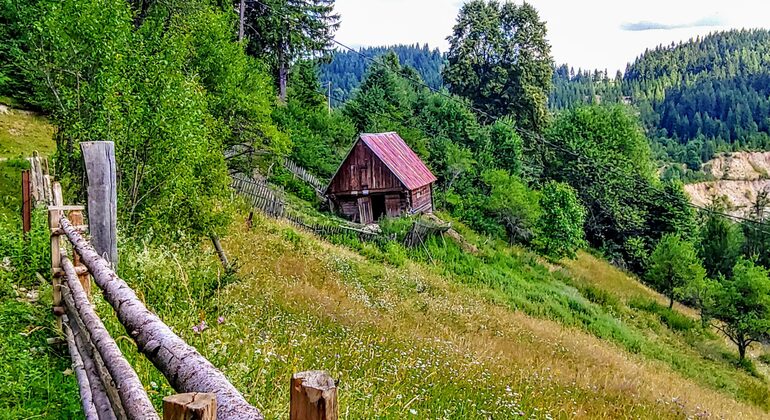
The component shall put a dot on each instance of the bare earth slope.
(739, 177)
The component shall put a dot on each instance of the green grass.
(452, 335)
(10, 187)
(35, 381)
(22, 132)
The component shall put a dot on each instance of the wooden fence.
(301, 173)
(109, 387)
(260, 194)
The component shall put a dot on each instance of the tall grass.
(441, 336)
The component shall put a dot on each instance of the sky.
(589, 34)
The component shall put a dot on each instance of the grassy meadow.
(436, 332)
(499, 334)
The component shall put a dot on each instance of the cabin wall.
(364, 171)
(422, 199)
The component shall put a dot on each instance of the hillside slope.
(496, 334)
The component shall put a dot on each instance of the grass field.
(410, 339)
(22, 132)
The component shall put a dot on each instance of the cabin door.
(365, 210)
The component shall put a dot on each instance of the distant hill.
(346, 69)
(705, 95)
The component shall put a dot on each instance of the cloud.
(651, 26)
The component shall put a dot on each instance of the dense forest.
(695, 98)
(345, 70)
(180, 85)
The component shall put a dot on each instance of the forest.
(537, 157)
(695, 98)
(345, 69)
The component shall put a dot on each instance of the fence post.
(53, 224)
(26, 207)
(190, 406)
(76, 218)
(99, 159)
(313, 396)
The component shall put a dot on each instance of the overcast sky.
(589, 34)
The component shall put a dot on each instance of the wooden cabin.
(381, 176)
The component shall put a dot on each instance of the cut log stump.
(313, 396)
(190, 406)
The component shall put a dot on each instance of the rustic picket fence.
(260, 194)
(318, 185)
(109, 387)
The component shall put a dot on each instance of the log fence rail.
(109, 386)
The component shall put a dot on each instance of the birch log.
(132, 394)
(185, 368)
(103, 392)
(84, 384)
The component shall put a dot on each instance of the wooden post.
(190, 406)
(313, 396)
(53, 223)
(26, 203)
(76, 217)
(99, 158)
(220, 251)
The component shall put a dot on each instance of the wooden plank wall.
(363, 170)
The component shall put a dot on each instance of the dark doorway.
(378, 206)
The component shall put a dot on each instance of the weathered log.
(53, 223)
(102, 192)
(132, 394)
(190, 406)
(185, 368)
(105, 395)
(220, 251)
(86, 397)
(313, 396)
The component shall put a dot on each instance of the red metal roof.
(400, 159)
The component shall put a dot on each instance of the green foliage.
(170, 92)
(695, 98)
(319, 138)
(513, 204)
(560, 225)
(22, 258)
(720, 244)
(673, 266)
(395, 254)
(603, 154)
(282, 31)
(33, 382)
(346, 69)
(742, 303)
(675, 320)
(499, 58)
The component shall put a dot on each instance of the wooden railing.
(109, 387)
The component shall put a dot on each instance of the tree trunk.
(283, 78)
(741, 350)
(671, 302)
(241, 19)
(185, 368)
